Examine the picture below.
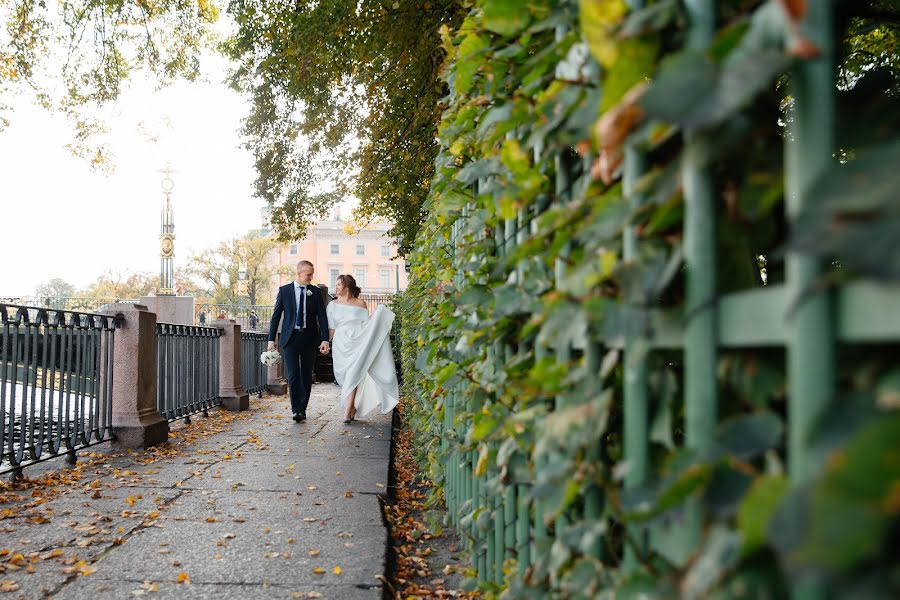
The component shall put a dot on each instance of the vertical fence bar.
(700, 338)
(810, 360)
(635, 439)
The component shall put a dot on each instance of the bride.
(361, 352)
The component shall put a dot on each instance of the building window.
(385, 250)
(294, 250)
(360, 249)
(360, 276)
(332, 276)
(335, 249)
(385, 276)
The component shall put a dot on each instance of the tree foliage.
(74, 56)
(55, 288)
(216, 270)
(122, 284)
(522, 296)
(346, 100)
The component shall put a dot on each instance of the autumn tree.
(122, 284)
(55, 288)
(346, 100)
(216, 270)
(76, 56)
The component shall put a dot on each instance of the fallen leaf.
(336, 571)
(183, 578)
(314, 552)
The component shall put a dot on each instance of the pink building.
(367, 255)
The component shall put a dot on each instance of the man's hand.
(324, 347)
(271, 346)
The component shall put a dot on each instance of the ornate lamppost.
(167, 238)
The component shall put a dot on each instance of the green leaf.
(725, 490)
(506, 17)
(655, 17)
(636, 62)
(856, 213)
(843, 518)
(445, 373)
(598, 19)
(756, 510)
(483, 425)
(749, 436)
(469, 61)
(719, 554)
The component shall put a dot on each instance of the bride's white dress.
(362, 357)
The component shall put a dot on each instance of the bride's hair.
(348, 282)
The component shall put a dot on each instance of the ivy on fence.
(539, 269)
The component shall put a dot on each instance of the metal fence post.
(136, 422)
(231, 392)
(810, 356)
(700, 337)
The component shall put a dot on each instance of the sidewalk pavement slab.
(248, 505)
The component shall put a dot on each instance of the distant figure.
(222, 316)
(254, 320)
(202, 318)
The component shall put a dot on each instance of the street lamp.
(242, 285)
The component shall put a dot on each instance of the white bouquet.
(270, 357)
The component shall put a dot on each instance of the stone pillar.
(231, 391)
(171, 309)
(275, 381)
(136, 422)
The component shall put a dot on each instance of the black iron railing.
(187, 370)
(55, 383)
(253, 372)
(251, 317)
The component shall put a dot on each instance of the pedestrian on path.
(303, 328)
(362, 356)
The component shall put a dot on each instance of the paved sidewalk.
(263, 508)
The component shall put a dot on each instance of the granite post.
(136, 422)
(231, 390)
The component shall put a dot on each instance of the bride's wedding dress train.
(362, 357)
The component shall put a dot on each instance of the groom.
(304, 327)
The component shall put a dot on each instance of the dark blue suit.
(299, 346)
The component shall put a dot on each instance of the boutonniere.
(308, 292)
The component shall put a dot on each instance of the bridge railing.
(55, 382)
(253, 372)
(187, 369)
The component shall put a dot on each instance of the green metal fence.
(806, 325)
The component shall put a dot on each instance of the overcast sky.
(58, 219)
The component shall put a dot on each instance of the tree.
(122, 284)
(76, 55)
(346, 99)
(217, 269)
(55, 288)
